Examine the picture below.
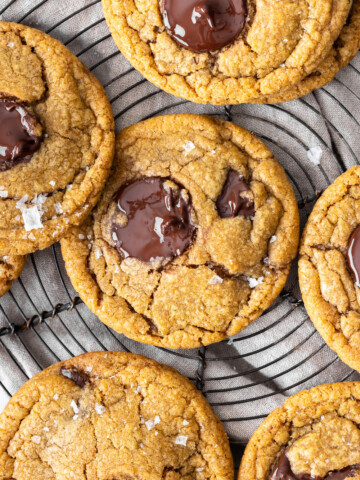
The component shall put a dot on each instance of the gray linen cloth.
(279, 354)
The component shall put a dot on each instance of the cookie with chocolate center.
(56, 140)
(314, 435)
(229, 51)
(193, 236)
(329, 266)
(112, 415)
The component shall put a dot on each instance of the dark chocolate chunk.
(204, 25)
(230, 202)
(18, 142)
(159, 223)
(80, 378)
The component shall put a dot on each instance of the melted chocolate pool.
(283, 471)
(17, 139)
(353, 255)
(204, 25)
(230, 202)
(159, 221)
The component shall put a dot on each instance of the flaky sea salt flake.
(188, 147)
(99, 409)
(36, 439)
(58, 208)
(181, 440)
(253, 282)
(215, 279)
(314, 154)
(149, 424)
(31, 215)
(74, 406)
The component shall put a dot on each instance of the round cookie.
(56, 140)
(315, 434)
(206, 267)
(112, 415)
(280, 45)
(11, 267)
(329, 287)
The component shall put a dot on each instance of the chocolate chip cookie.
(56, 140)
(193, 236)
(11, 267)
(228, 52)
(314, 435)
(112, 415)
(329, 266)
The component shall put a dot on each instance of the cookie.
(11, 267)
(328, 269)
(344, 50)
(226, 52)
(56, 140)
(314, 435)
(112, 415)
(193, 236)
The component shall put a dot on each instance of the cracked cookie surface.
(235, 266)
(343, 51)
(108, 415)
(281, 44)
(42, 197)
(11, 267)
(330, 293)
(319, 432)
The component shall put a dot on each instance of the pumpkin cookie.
(11, 267)
(110, 415)
(226, 52)
(314, 435)
(193, 236)
(56, 140)
(329, 266)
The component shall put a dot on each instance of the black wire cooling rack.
(43, 321)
